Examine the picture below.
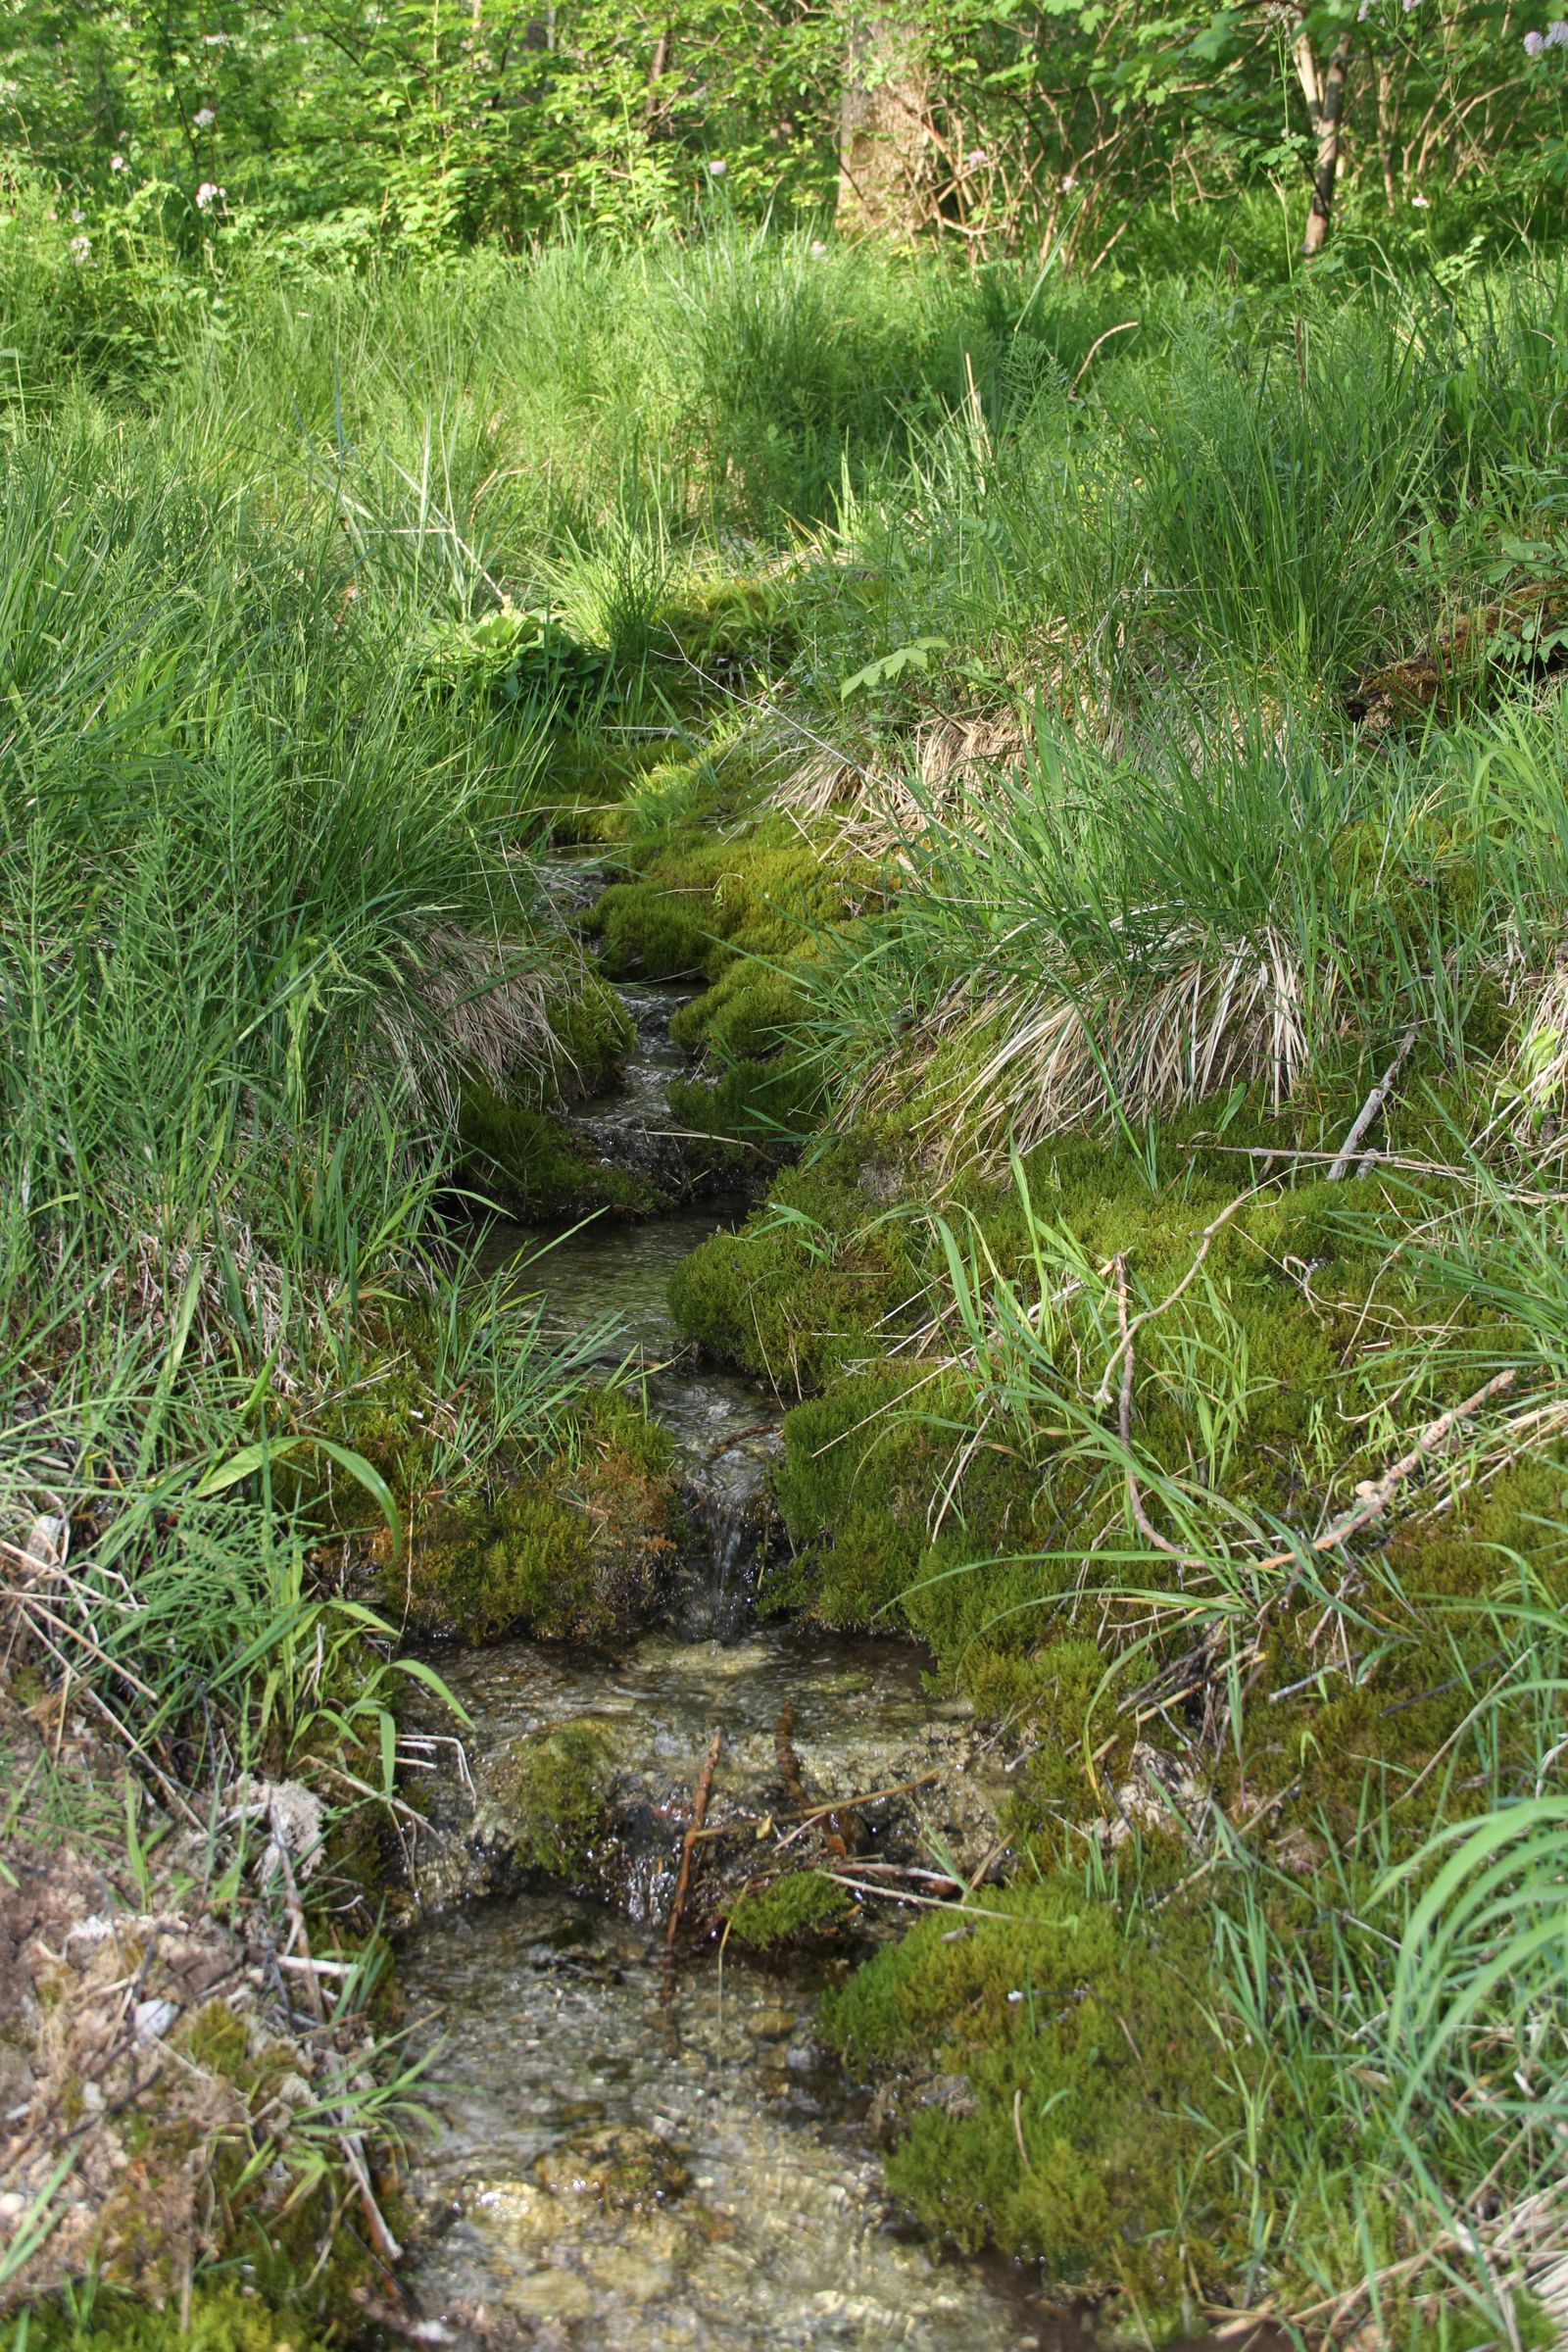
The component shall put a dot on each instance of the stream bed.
(633, 2154)
(626, 2163)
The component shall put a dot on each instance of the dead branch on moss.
(1205, 1243)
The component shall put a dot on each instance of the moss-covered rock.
(527, 1164)
(618, 2167)
(547, 1800)
(699, 903)
(790, 1909)
(794, 1293)
(742, 911)
(578, 1548)
(727, 624)
(516, 1150)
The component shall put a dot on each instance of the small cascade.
(725, 1430)
(630, 1126)
(728, 1455)
(731, 1508)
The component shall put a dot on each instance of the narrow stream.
(630, 2158)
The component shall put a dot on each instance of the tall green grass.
(1307, 482)
(266, 906)
(1235, 899)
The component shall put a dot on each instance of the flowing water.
(632, 2156)
(724, 1427)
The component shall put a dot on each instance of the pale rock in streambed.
(295, 1816)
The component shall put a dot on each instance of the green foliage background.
(1065, 123)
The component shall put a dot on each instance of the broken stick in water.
(704, 1789)
(839, 1822)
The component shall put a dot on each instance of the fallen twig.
(1372, 1105)
(930, 1902)
(789, 1772)
(1375, 1496)
(1204, 1243)
(839, 1808)
(788, 1763)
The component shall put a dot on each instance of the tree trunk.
(882, 125)
(1325, 105)
(1384, 106)
(653, 103)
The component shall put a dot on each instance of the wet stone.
(619, 2270)
(771, 2025)
(550, 2294)
(627, 2169)
(515, 2210)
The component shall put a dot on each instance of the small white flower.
(716, 167)
(80, 247)
(819, 248)
(1534, 42)
(976, 159)
(1423, 203)
(207, 195)
(78, 214)
(204, 118)
(117, 163)
(1069, 182)
(1364, 11)
(1557, 34)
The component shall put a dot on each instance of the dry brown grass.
(878, 802)
(471, 1001)
(1017, 1063)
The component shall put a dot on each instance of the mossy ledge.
(1051, 2069)
(797, 1907)
(578, 1546)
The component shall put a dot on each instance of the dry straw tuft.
(878, 803)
